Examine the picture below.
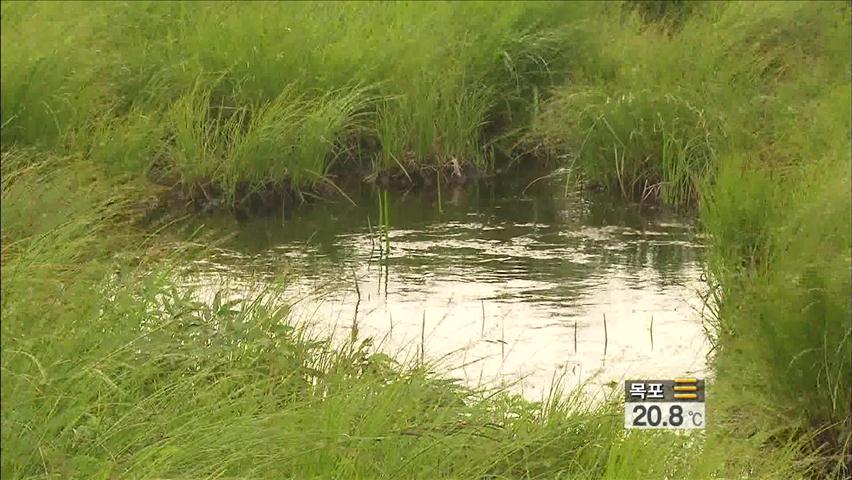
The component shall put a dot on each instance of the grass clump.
(243, 147)
(640, 143)
(666, 114)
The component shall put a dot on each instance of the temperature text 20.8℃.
(669, 404)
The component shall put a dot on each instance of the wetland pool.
(497, 285)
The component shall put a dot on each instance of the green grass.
(246, 96)
(657, 124)
(743, 110)
(740, 111)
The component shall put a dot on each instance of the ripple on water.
(503, 286)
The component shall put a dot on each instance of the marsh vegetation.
(116, 115)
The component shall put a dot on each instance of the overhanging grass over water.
(741, 109)
(248, 95)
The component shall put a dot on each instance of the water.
(496, 286)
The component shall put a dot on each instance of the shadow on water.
(499, 285)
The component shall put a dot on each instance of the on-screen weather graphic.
(664, 404)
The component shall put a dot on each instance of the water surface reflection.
(501, 286)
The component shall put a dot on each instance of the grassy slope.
(743, 109)
(755, 129)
